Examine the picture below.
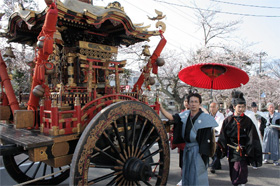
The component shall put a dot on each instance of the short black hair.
(254, 104)
(194, 95)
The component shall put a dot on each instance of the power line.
(169, 24)
(138, 8)
(216, 11)
(255, 6)
(182, 15)
(186, 14)
(170, 41)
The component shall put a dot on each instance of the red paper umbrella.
(213, 76)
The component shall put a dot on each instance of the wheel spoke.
(119, 178)
(140, 136)
(125, 182)
(114, 180)
(145, 140)
(96, 180)
(108, 155)
(152, 154)
(23, 161)
(150, 146)
(154, 170)
(106, 148)
(29, 167)
(113, 146)
(155, 164)
(121, 182)
(45, 169)
(30, 173)
(52, 172)
(105, 166)
(36, 171)
(133, 131)
(126, 136)
(119, 138)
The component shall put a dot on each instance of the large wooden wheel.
(124, 144)
(22, 170)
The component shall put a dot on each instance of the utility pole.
(260, 55)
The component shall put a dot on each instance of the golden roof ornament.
(146, 51)
(159, 17)
(116, 5)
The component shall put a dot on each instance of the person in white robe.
(252, 116)
(260, 118)
(219, 117)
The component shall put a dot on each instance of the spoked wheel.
(124, 144)
(21, 170)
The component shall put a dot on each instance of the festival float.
(74, 118)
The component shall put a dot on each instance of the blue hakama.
(271, 143)
(271, 139)
(194, 169)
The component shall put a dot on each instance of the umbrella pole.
(211, 91)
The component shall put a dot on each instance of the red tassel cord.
(238, 137)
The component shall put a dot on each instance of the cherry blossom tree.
(215, 47)
(17, 67)
(274, 68)
(168, 78)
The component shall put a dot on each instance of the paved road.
(268, 174)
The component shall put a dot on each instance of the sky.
(260, 21)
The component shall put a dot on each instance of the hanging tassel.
(238, 138)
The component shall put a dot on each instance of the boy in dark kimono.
(239, 141)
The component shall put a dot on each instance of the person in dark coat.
(239, 141)
(262, 121)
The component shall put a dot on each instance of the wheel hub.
(137, 170)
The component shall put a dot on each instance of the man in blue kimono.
(271, 138)
(198, 133)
